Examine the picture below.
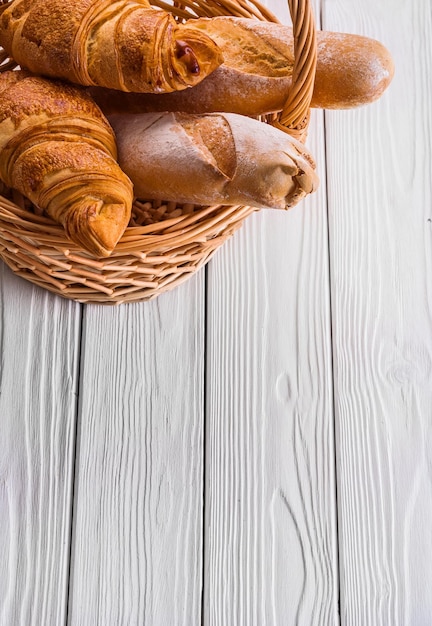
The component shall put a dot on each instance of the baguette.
(120, 44)
(218, 158)
(255, 76)
(58, 150)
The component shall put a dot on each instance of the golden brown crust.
(47, 99)
(124, 44)
(266, 48)
(58, 150)
(256, 74)
(352, 70)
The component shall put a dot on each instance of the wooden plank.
(380, 198)
(270, 549)
(270, 501)
(39, 346)
(137, 539)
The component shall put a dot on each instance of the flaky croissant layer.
(59, 151)
(121, 44)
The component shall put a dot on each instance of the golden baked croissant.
(120, 44)
(58, 150)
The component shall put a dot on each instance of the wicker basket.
(164, 242)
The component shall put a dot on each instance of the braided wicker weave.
(164, 243)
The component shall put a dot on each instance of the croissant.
(121, 44)
(58, 150)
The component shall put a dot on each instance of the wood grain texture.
(380, 199)
(270, 549)
(266, 551)
(39, 344)
(270, 488)
(137, 540)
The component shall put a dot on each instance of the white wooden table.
(255, 447)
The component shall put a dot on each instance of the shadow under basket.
(165, 243)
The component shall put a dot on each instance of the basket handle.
(294, 118)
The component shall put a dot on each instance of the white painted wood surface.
(380, 208)
(39, 343)
(270, 489)
(137, 540)
(254, 448)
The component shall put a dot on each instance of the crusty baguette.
(59, 151)
(126, 44)
(216, 158)
(255, 76)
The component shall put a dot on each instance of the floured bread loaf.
(219, 158)
(256, 73)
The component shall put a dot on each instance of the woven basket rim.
(36, 247)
